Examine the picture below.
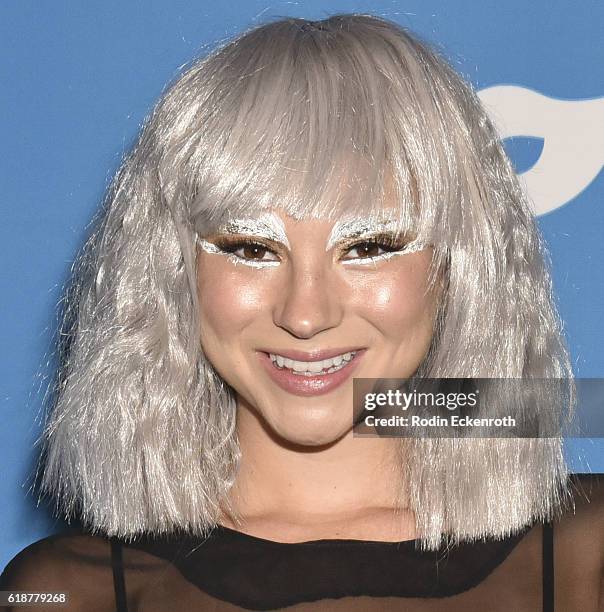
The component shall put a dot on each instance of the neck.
(348, 480)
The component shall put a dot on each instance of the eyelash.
(389, 244)
(230, 246)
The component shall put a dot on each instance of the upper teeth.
(311, 366)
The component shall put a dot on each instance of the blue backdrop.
(78, 79)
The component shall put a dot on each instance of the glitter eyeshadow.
(270, 227)
(357, 229)
(267, 225)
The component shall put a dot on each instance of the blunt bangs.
(313, 121)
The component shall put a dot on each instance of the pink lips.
(309, 385)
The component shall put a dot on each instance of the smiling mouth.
(308, 376)
(312, 368)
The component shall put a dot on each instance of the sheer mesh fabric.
(230, 570)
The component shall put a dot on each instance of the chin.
(312, 431)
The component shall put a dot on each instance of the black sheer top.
(543, 565)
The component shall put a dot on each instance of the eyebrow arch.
(266, 225)
(359, 228)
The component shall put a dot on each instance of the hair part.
(315, 119)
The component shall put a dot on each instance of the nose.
(310, 301)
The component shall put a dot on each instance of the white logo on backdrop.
(573, 140)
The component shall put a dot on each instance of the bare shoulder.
(584, 516)
(579, 546)
(81, 565)
(72, 563)
(581, 526)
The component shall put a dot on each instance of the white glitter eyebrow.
(267, 225)
(359, 228)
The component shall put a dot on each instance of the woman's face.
(292, 310)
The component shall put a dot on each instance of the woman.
(313, 202)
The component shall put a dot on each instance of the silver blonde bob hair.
(141, 436)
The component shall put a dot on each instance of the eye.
(374, 248)
(248, 250)
(365, 250)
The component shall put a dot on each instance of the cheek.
(396, 300)
(229, 299)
